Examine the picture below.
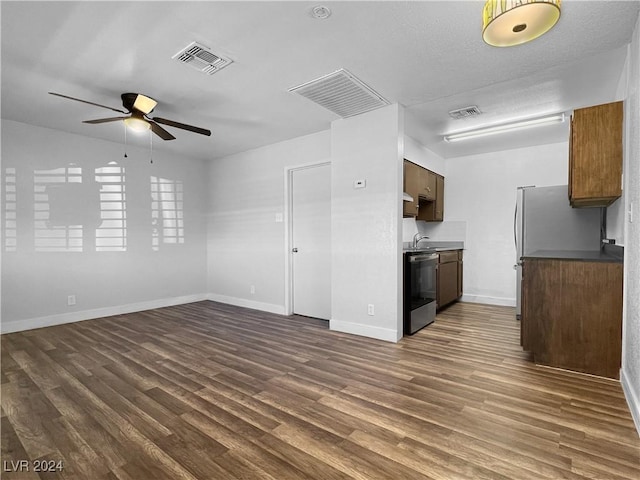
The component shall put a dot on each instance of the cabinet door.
(571, 134)
(595, 159)
(460, 276)
(447, 289)
(439, 204)
(427, 184)
(412, 187)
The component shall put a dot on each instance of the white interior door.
(311, 241)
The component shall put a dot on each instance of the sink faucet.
(416, 239)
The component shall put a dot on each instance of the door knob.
(294, 250)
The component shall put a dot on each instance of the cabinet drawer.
(446, 257)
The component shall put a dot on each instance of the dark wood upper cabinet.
(412, 187)
(427, 190)
(595, 155)
(439, 203)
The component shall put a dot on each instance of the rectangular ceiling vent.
(471, 111)
(342, 93)
(201, 58)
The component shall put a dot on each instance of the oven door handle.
(423, 258)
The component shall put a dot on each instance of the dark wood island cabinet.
(572, 312)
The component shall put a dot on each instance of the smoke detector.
(342, 93)
(320, 12)
(471, 111)
(201, 58)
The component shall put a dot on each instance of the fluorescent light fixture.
(505, 127)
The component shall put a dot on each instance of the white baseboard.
(59, 319)
(632, 400)
(506, 302)
(243, 302)
(379, 333)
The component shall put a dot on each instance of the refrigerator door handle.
(515, 232)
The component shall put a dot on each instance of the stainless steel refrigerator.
(544, 220)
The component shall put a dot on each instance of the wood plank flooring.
(211, 391)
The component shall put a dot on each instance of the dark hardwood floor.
(211, 391)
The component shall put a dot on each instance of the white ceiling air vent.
(201, 58)
(342, 93)
(471, 111)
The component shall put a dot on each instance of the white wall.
(36, 283)
(246, 246)
(616, 211)
(480, 191)
(417, 153)
(366, 225)
(630, 373)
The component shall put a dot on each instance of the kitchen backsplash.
(440, 231)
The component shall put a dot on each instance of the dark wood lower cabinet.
(572, 314)
(449, 284)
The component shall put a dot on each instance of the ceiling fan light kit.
(506, 23)
(144, 104)
(505, 127)
(137, 124)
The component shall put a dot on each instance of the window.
(167, 218)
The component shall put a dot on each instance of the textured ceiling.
(427, 56)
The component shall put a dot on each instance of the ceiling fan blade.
(85, 101)
(104, 120)
(161, 132)
(191, 128)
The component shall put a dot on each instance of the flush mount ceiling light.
(505, 127)
(506, 23)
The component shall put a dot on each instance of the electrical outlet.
(371, 309)
(253, 289)
(71, 300)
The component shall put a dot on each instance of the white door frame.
(288, 226)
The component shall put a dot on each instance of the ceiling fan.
(138, 108)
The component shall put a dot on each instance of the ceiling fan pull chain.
(151, 147)
(125, 140)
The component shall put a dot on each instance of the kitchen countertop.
(613, 255)
(433, 246)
